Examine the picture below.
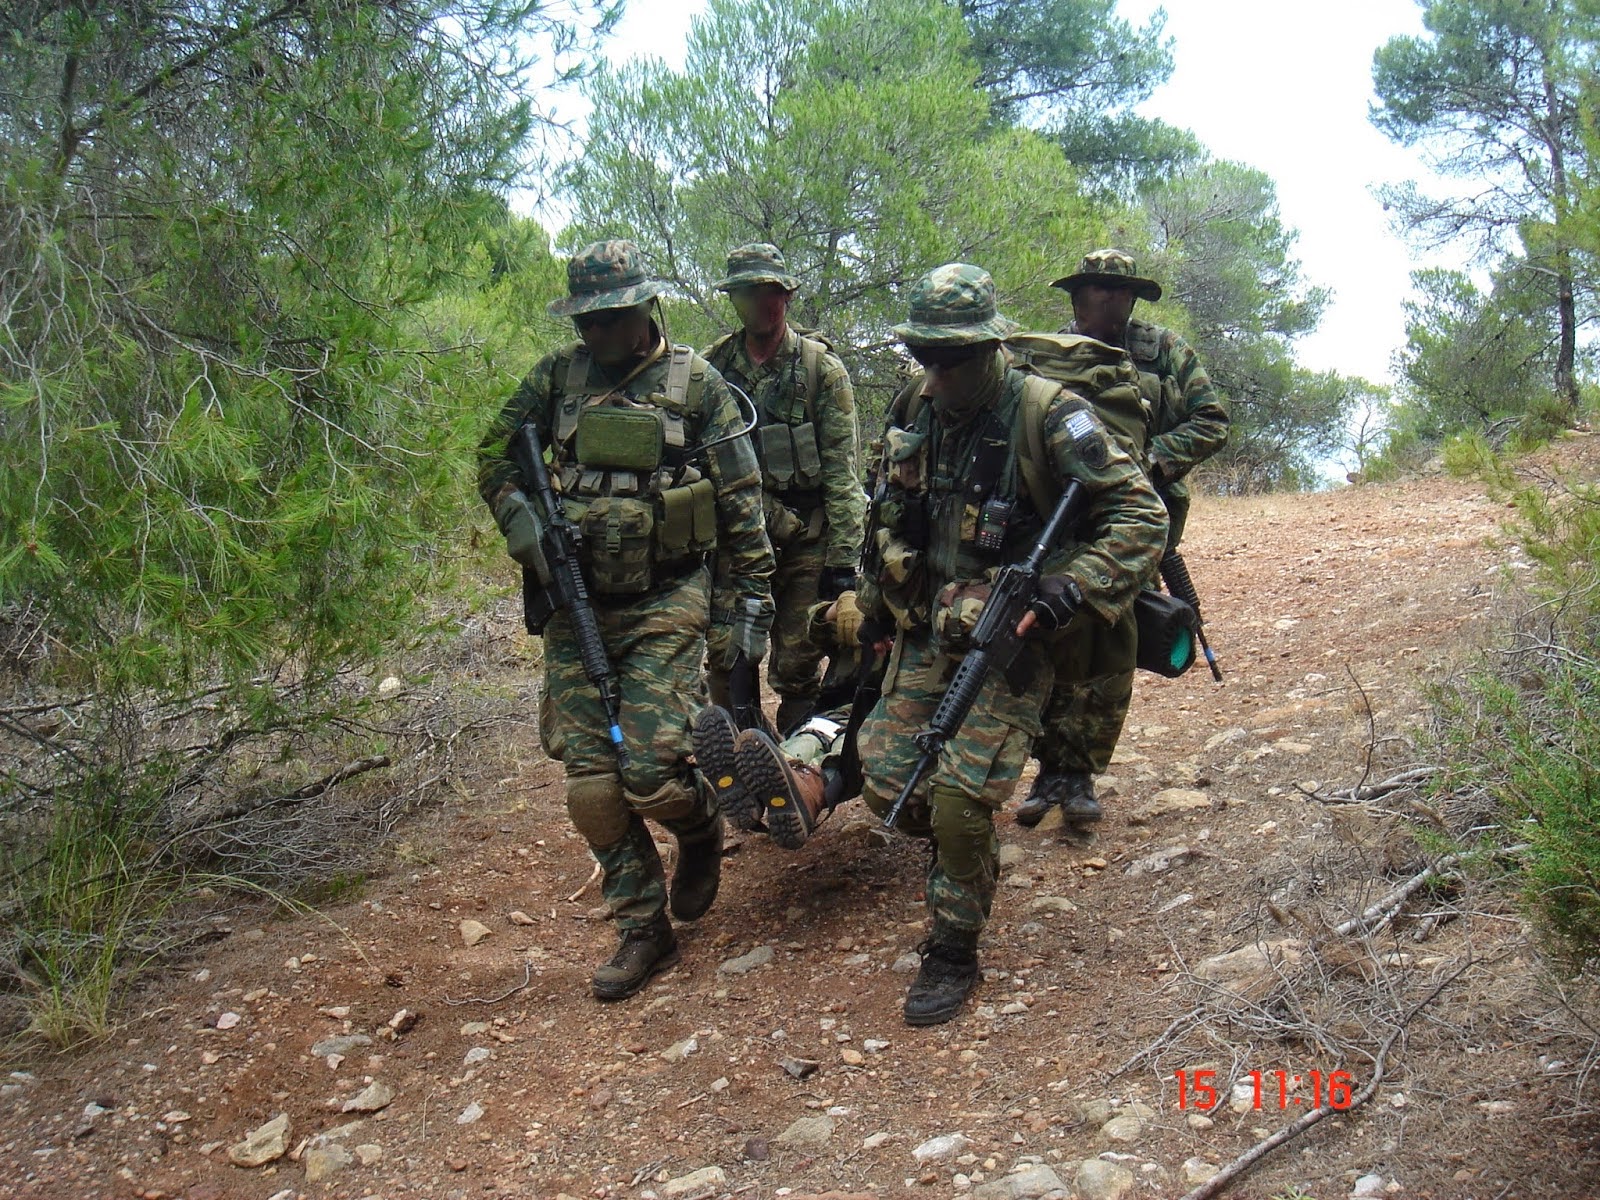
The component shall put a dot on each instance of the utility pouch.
(1166, 633)
(618, 534)
(688, 524)
(620, 438)
(807, 456)
(777, 456)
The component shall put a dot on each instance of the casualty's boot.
(793, 793)
(643, 952)
(714, 733)
(1079, 804)
(948, 975)
(699, 871)
(1048, 789)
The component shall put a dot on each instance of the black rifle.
(1175, 574)
(560, 540)
(997, 644)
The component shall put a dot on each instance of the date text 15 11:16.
(1197, 1089)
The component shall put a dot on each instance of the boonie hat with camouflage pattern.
(1113, 268)
(754, 264)
(954, 305)
(607, 274)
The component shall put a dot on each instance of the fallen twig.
(527, 978)
(1383, 910)
(593, 875)
(1218, 1182)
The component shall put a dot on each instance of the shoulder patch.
(1087, 438)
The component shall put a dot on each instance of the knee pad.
(672, 801)
(598, 809)
(964, 829)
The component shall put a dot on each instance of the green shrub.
(1525, 726)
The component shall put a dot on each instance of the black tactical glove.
(1058, 601)
(835, 582)
(521, 525)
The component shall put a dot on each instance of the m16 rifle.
(565, 590)
(997, 644)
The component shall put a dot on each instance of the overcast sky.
(1281, 86)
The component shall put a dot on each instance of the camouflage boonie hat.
(755, 264)
(606, 274)
(954, 305)
(1113, 268)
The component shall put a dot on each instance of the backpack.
(1102, 374)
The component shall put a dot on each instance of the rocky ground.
(433, 1036)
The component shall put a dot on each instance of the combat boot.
(792, 793)
(1079, 804)
(714, 733)
(699, 871)
(642, 953)
(1048, 790)
(948, 975)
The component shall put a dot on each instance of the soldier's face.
(615, 335)
(762, 309)
(953, 373)
(1102, 312)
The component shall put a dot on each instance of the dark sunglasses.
(946, 356)
(602, 318)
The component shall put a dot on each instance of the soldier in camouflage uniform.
(808, 443)
(959, 499)
(646, 446)
(1188, 424)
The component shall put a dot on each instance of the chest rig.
(786, 436)
(646, 512)
(1160, 391)
(953, 504)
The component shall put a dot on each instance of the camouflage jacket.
(744, 553)
(927, 468)
(1189, 420)
(832, 484)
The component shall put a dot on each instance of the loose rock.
(374, 1098)
(1161, 860)
(681, 1050)
(745, 963)
(517, 917)
(1197, 1171)
(472, 1112)
(473, 932)
(341, 1043)
(800, 1068)
(1030, 1183)
(707, 1181)
(1125, 1129)
(807, 1131)
(262, 1144)
(1100, 1180)
(324, 1159)
(940, 1148)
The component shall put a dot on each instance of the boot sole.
(768, 777)
(633, 987)
(1028, 817)
(714, 733)
(935, 1018)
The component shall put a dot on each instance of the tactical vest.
(786, 423)
(1160, 391)
(647, 514)
(933, 524)
(1102, 374)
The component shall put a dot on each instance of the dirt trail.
(1326, 610)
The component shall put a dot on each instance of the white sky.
(1281, 85)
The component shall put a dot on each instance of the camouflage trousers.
(973, 778)
(1083, 718)
(793, 661)
(656, 645)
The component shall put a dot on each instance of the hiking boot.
(1046, 792)
(643, 952)
(714, 733)
(791, 792)
(792, 713)
(699, 871)
(1079, 804)
(941, 987)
